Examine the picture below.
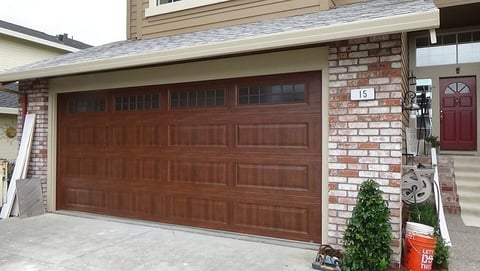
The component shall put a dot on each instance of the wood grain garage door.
(240, 155)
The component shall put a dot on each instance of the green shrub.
(442, 255)
(368, 236)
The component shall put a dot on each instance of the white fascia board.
(395, 24)
(37, 40)
(9, 111)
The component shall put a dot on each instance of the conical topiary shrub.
(368, 236)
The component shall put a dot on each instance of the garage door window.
(84, 105)
(276, 94)
(137, 102)
(197, 98)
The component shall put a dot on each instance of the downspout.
(19, 93)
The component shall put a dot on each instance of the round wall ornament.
(11, 132)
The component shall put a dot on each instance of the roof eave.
(395, 24)
(37, 40)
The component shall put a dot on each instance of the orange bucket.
(419, 250)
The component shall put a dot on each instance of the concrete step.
(471, 209)
(468, 175)
(469, 197)
(467, 179)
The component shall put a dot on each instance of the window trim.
(457, 44)
(154, 9)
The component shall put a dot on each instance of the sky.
(94, 22)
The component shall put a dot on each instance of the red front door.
(458, 129)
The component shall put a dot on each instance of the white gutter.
(37, 40)
(395, 24)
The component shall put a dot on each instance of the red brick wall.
(365, 137)
(37, 98)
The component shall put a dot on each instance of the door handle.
(441, 115)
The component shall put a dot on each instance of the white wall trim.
(9, 110)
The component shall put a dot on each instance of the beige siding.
(8, 146)
(448, 3)
(15, 52)
(215, 15)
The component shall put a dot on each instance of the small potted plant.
(432, 142)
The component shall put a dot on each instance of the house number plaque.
(362, 94)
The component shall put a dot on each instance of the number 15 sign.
(362, 94)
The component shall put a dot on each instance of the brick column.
(37, 98)
(365, 137)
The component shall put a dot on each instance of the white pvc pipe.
(438, 200)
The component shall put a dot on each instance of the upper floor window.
(161, 2)
(157, 7)
(455, 48)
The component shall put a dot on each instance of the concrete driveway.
(71, 242)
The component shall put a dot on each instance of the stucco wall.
(8, 146)
(16, 52)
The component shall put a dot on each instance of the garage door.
(240, 155)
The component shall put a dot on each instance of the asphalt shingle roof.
(61, 39)
(343, 14)
(7, 99)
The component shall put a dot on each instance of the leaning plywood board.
(30, 197)
(22, 159)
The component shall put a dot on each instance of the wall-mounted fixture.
(412, 79)
(410, 97)
(410, 101)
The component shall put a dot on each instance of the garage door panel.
(198, 135)
(199, 172)
(208, 211)
(134, 204)
(251, 168)
(281, 135)
(272, 176)
(84, 198)
(274, 218)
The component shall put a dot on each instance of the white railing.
(438, 200)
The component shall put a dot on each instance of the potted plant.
(425, 213)
(368, 236)
(432, 142)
